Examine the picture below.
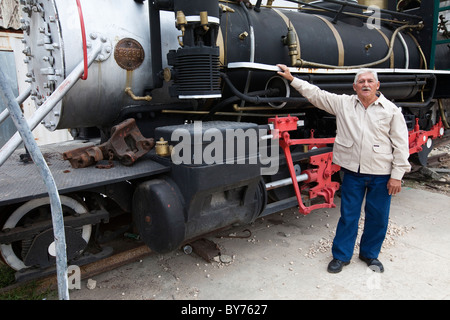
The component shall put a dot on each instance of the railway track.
(125, 251)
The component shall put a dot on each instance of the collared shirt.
(372, 140)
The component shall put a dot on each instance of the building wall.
(10, 14)
(11, 48)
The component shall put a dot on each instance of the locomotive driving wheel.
(32, 243)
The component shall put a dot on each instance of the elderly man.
(371, 147)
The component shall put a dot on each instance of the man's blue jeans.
(378, 201)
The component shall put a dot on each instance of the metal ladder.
(434, 42)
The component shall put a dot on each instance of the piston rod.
(285, 182)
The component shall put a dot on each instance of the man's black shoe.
(374, 264)
(336, 265)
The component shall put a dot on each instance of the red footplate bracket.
(320, 175)
(417, 138)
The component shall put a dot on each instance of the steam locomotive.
(181, 124)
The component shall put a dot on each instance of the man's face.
(366, 86)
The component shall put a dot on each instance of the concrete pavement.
(286, 257)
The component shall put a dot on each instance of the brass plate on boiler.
(129, 54)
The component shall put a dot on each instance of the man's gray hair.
(363, 71)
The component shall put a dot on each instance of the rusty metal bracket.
(321, 175)
(126, 145)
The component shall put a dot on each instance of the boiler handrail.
(20, 99)
(49, 104)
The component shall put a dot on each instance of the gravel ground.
(430, 180)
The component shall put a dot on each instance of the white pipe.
(20, 99)
(55, 202)
(49, 104)
(405, 46)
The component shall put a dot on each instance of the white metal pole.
(7, 96)
(20, 99)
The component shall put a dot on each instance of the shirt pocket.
(383, 124)
(382, 148)
(343, 150)
(382, 159)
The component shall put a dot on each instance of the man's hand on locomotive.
(285, 73)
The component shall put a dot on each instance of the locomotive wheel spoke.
(39, 247)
